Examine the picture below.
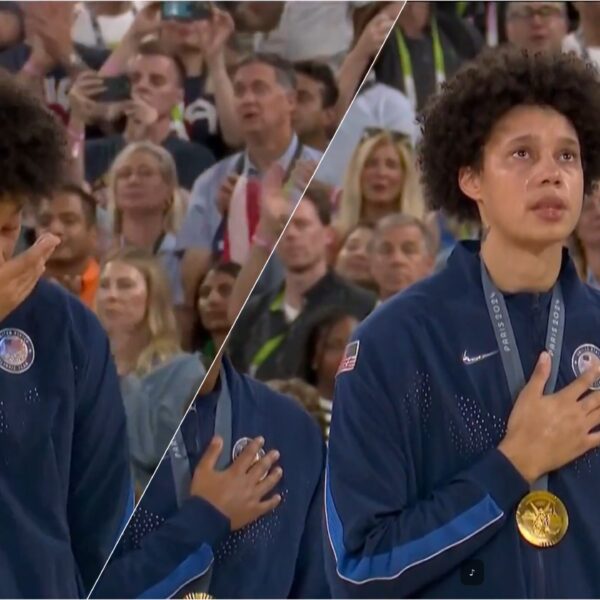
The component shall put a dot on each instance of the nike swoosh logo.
(471, 360)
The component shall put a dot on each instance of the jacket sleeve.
(178, 551)
(385, 538)
(310, 580)
(100, 490)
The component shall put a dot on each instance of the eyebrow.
(562, 140)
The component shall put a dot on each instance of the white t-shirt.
(111, 29)
(311, 31)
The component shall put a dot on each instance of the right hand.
(275, 206)
(545, 433)
(87, 85)
(19, 275)
(225, 192)
(238, 492)
(374, 35)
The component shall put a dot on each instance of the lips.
(549, 204)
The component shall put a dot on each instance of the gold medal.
(198, 596)
(542, 519)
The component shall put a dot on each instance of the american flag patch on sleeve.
(350, 355)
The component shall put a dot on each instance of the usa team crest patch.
(16, 351)
(586, 357)
(350, 357)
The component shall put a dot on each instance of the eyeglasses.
(527, 13)
(397, 136)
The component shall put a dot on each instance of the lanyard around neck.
(507, 343)
(406, 62)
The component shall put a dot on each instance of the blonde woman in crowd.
(381, 179)
(157, 378)
(146, 206)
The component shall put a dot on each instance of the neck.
(71, 268)
(265, 148)
(142, 229)
(411, 27)
(193, 62)
(157, 132)
(317, 140)
(109, 9)
(126, 349)
(218, 337)
(298, 283)
(515, 269)
(373, 211)
(590, 28)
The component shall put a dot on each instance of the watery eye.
(521, 153)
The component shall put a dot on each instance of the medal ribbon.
(180, 467)
(406, 63)
(507, 344)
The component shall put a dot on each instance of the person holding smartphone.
(465, 436)
(65, 485)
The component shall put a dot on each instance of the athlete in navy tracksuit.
(429, 458)
(165, 548)
(65, 486)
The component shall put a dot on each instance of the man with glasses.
(536, 26)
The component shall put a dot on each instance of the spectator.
(156, 89)
(402, 252)
(381, 179)
(213, 298)
(424, 50)
(536, 26)
(588, 232)
(264, 88)
(48, 60)
(306, 395)
(102, 24)
(146, 206)
(585, 42)
(317, 96)
(157, 379)
(267, 339)
(70, 215)
(352, 261)
(326, 341)
(374, 105)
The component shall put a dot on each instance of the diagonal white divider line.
(217, 355)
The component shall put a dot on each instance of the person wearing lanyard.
(465, 429)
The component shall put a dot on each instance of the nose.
(549, 171)
(213, 297)
(56, 227)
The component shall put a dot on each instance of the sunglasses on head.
(397, 136)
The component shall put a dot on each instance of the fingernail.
(544, 358)
(276, 455)
(261, 440)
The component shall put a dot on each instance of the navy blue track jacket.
(278, 556)
(65, 486)
(415, 487)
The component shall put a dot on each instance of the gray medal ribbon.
(507, 343)
(180, 465)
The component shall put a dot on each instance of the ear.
(469, 182)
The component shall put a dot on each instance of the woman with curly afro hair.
(465, 436)
(64, 483)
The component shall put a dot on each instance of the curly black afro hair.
(32, 144)
(457, 122)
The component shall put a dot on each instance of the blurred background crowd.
(174, 111)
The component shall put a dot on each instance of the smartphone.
(117, 89)
(186, 11)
